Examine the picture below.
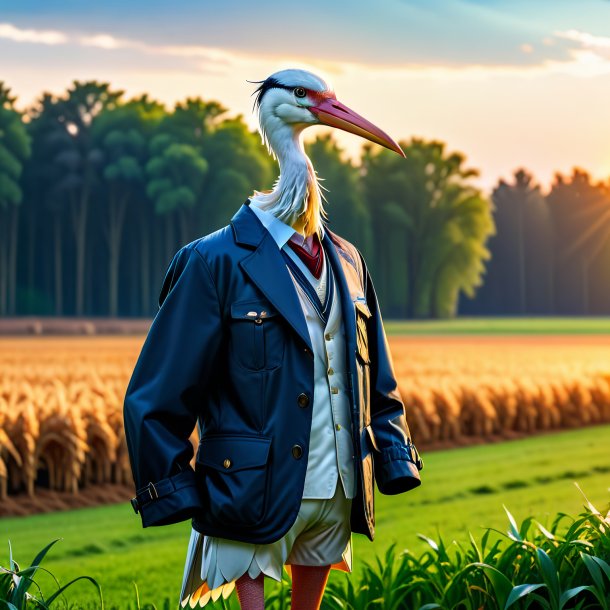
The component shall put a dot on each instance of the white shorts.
(320, 535)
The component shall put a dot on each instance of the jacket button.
(227, 463)
(303, 400)
(297, 452)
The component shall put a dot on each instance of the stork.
(287, 102)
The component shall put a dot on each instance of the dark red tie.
(313, 260)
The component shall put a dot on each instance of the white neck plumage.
(296, 197)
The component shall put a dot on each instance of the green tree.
(79, 159)
(120, 135)
(521, 268)
(424, 209)
(15, 148)
(580, 210)
(239, 164)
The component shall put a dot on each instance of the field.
(502, 325)
(466, 383)
(61, 397)
(463, 489)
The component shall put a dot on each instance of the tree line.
(97, 192)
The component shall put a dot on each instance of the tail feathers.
(202, 595)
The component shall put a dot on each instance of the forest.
(97, 193)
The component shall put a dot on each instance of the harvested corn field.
(466, 389)
(61, 398)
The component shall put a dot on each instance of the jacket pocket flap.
(252, 309)
(233, 452)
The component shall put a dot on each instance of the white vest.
(331, 453)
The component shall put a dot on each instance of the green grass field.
(501, 325)
(463, 489)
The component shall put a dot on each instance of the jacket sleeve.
(159, 412)
(396, 460)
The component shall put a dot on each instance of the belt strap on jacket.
(164, 487)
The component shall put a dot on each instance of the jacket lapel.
(266, 268)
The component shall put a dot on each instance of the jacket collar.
(266, 267)
(247, 228)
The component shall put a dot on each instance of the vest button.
(297, 452)
(227, 463)
(303, 400)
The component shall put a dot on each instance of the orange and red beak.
(330, 111)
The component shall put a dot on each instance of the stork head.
(298, 99)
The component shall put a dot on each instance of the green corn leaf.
(520, 591)
(89, 578)
(544, 531)
(500, 584)
(594, 569)
(12, 564)
(513, 530)
(430, 607)
(603, 565)
(24, 584)
(549, 573)
(584, 543)
(540, 602)
(431, 542)
(589, 505)
(7, 605)
(566, 596)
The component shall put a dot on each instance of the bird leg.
(308, 584)
(251, 591)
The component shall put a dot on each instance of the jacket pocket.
(257, 335)
(234, 471)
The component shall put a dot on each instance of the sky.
(510, 84)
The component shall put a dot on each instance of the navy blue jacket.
(229, 351)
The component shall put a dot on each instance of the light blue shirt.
(280, 231)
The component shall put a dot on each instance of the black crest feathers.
(265, 85)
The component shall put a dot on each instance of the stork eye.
(300, 92)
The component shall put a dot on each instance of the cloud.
(52, 37)
(592, 52)
(599, 44)
(590, 56)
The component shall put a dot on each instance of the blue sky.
(510, 83)
(395, 32)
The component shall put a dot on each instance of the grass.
(502, 325)
(463, 489)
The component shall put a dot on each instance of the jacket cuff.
(397, 469)
(169, 500)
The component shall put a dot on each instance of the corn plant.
(526, 567)
(16, 583)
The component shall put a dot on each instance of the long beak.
(332, 112)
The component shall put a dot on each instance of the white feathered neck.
(297, 190)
